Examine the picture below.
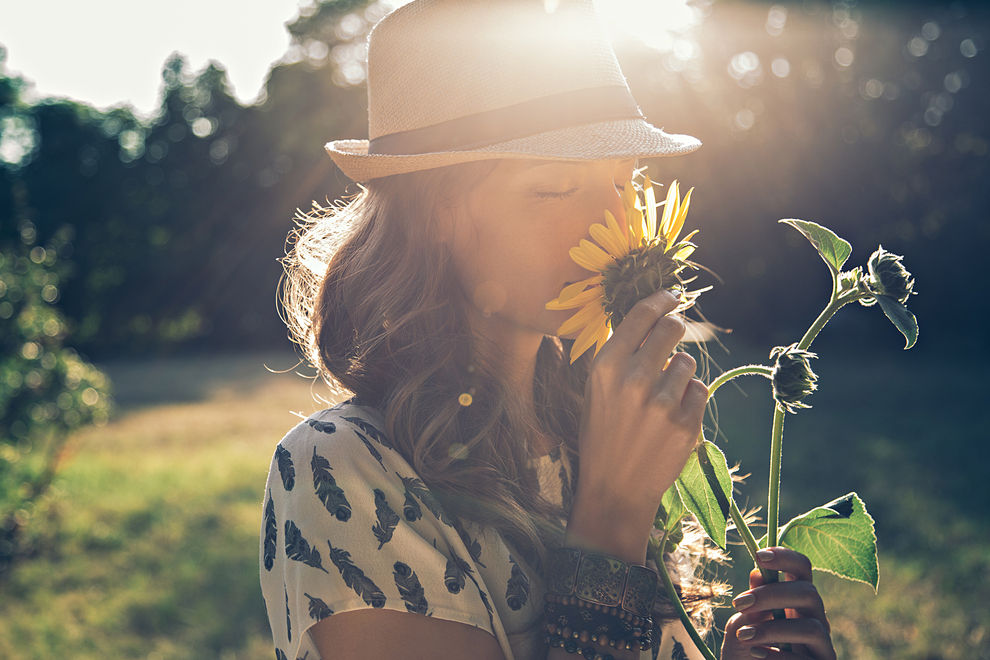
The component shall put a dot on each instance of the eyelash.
(568, 193)
(556, 195)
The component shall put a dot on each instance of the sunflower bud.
(850, 279)
(792, 377)
(888, 277)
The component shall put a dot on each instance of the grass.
(147, 546)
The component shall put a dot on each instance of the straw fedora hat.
(453, 81)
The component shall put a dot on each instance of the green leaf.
(833, 249)
(902, 319)
(697, 485)
(671, 509)
(838, 538)
(669, 517)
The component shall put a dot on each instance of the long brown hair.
(371, 296)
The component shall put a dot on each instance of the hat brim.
(625, 138)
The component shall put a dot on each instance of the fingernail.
(746, 632)
(764, 555)
(758, 652)
(742, 601)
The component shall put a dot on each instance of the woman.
(477, 487)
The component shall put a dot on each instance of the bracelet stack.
(595, 601)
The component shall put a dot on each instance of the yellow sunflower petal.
(589, 256)
(574, 289)
(669, 209)
(580, 320)
(579, 300)
(684, 252)
(651, 208)
(614, 245)
(603, 336)
(630, 199)
(635, 219)
(586, 338)
(682, 209)
(616, 228)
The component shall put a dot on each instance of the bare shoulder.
(392, 634)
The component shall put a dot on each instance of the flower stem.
(656, 552)
(760, 369)
(834, 305)
(773, 500)
(747, 536)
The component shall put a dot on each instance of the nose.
(612, 200)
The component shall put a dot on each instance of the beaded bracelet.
(605, 629)
(599, 598)
(571, 646)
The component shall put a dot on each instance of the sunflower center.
(635, 275)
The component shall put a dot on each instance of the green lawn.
(148, 545)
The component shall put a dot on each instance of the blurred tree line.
(869, 119)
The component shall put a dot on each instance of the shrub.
(46, 389)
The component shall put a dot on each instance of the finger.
(809, 632)
(675, 378)
(799, 596)
(629, 334)
(784, 559)
(695, 399)
(663, 339)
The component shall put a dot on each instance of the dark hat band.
(573, 108)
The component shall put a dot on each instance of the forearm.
(593, 526)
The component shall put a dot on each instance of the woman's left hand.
(754, 633)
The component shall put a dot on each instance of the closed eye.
(556, 195)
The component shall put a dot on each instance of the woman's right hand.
(642, 417)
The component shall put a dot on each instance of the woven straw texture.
(432, 61)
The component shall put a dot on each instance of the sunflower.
(630, 261)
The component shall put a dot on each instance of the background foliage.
(868, 119)
(161, 236)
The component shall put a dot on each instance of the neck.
(511, 351)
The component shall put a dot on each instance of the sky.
(108, 52)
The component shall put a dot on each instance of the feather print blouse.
(348, 525)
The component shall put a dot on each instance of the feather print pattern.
(322, 427)
(299, 549)
(330, 494)
(355, 578)
(474, 548)
(410, 508)
(280, 654)
(285, 468)
(371, 448)
(409, 588)
(288, 619)
(369, 429)
(415, 486)
(466, 569)
(453, 577)
(678, 652)
(318, 610)
(517, 589)
(387, 519)
(271, 533)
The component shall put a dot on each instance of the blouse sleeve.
(347, 525)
